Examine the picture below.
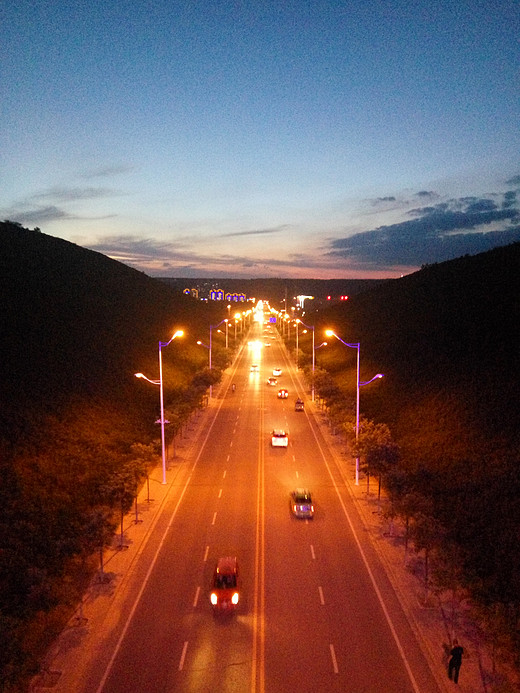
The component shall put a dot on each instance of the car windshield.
(302, 497)
(223, 582)
(279, 434)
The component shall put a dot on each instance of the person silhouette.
(455, 661)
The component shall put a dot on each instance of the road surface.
(317, 612)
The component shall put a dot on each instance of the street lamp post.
(297, 323)
(237, 321)
(356, 345)
(209, 350)
(309, 327)
(314, 350)
(159, 382)
(211, 328)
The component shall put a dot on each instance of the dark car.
(224, 587)
(299, 405)
(301, 503)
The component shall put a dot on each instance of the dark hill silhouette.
(450, 332)
(77, 324)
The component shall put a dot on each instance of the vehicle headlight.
(214, 599)
(234, 598)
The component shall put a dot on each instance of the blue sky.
(323, 139)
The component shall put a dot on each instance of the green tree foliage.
(375, 445)
(327, 388)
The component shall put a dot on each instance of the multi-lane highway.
(317, 612)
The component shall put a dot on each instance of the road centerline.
(258, 650)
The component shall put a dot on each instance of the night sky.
(322, 139)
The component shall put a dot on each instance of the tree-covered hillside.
(76, 323)
(77, 428)
(447, 338)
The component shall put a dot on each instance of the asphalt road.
(317, 612)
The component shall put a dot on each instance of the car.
(301, 503)
(255, 368)
(299, 405)
(277, 371)
(279, 438)
(283, 393)
(225, 593)
(267, 344)
(271, 381)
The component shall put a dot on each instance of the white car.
(279, 438)
(277, 371)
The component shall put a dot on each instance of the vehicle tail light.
(214, 599)
(312, 508)
(234, 598)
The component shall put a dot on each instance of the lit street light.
(314, 350)
(309, 327)
(239, 318)
(209, 350)
(159, 382)
(355, 345)
(297, 324)
(211, 328)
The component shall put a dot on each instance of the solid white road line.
(375, 586)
